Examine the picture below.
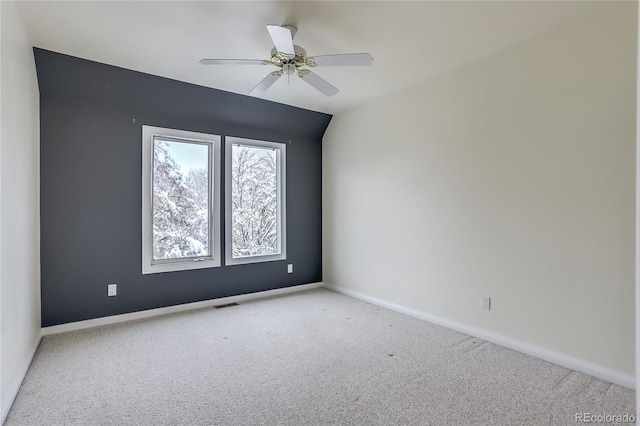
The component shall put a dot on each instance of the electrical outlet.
(112, 289)
(486, 302)
(290, 268)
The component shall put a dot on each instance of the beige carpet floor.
(309, 358)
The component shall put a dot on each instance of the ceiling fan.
(291, 58)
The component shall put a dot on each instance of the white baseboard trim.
(626, 380)
(15, 386)
(79, 325)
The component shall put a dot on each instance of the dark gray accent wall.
(91, 118)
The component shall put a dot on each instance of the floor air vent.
(225, 306)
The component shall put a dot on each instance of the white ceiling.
(410, 41)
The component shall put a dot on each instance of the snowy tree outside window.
(255, 201)
(181, 199)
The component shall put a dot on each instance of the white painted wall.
(19, 205)
(512, 177)
(638, 220)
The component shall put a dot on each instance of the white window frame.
(281, 150)
(149, 265)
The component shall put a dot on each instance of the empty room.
(315, 213)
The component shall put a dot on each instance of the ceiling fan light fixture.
(289, 69)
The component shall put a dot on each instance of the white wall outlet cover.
(112, 289)
(486, 302)
(290, 268)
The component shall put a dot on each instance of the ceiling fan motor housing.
(298, 59)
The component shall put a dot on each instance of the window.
(255, 201)
(180, 200)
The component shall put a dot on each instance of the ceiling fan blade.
(282, 38)
(340, 60)
(233, 62)
(266, 83)
(318, 82)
